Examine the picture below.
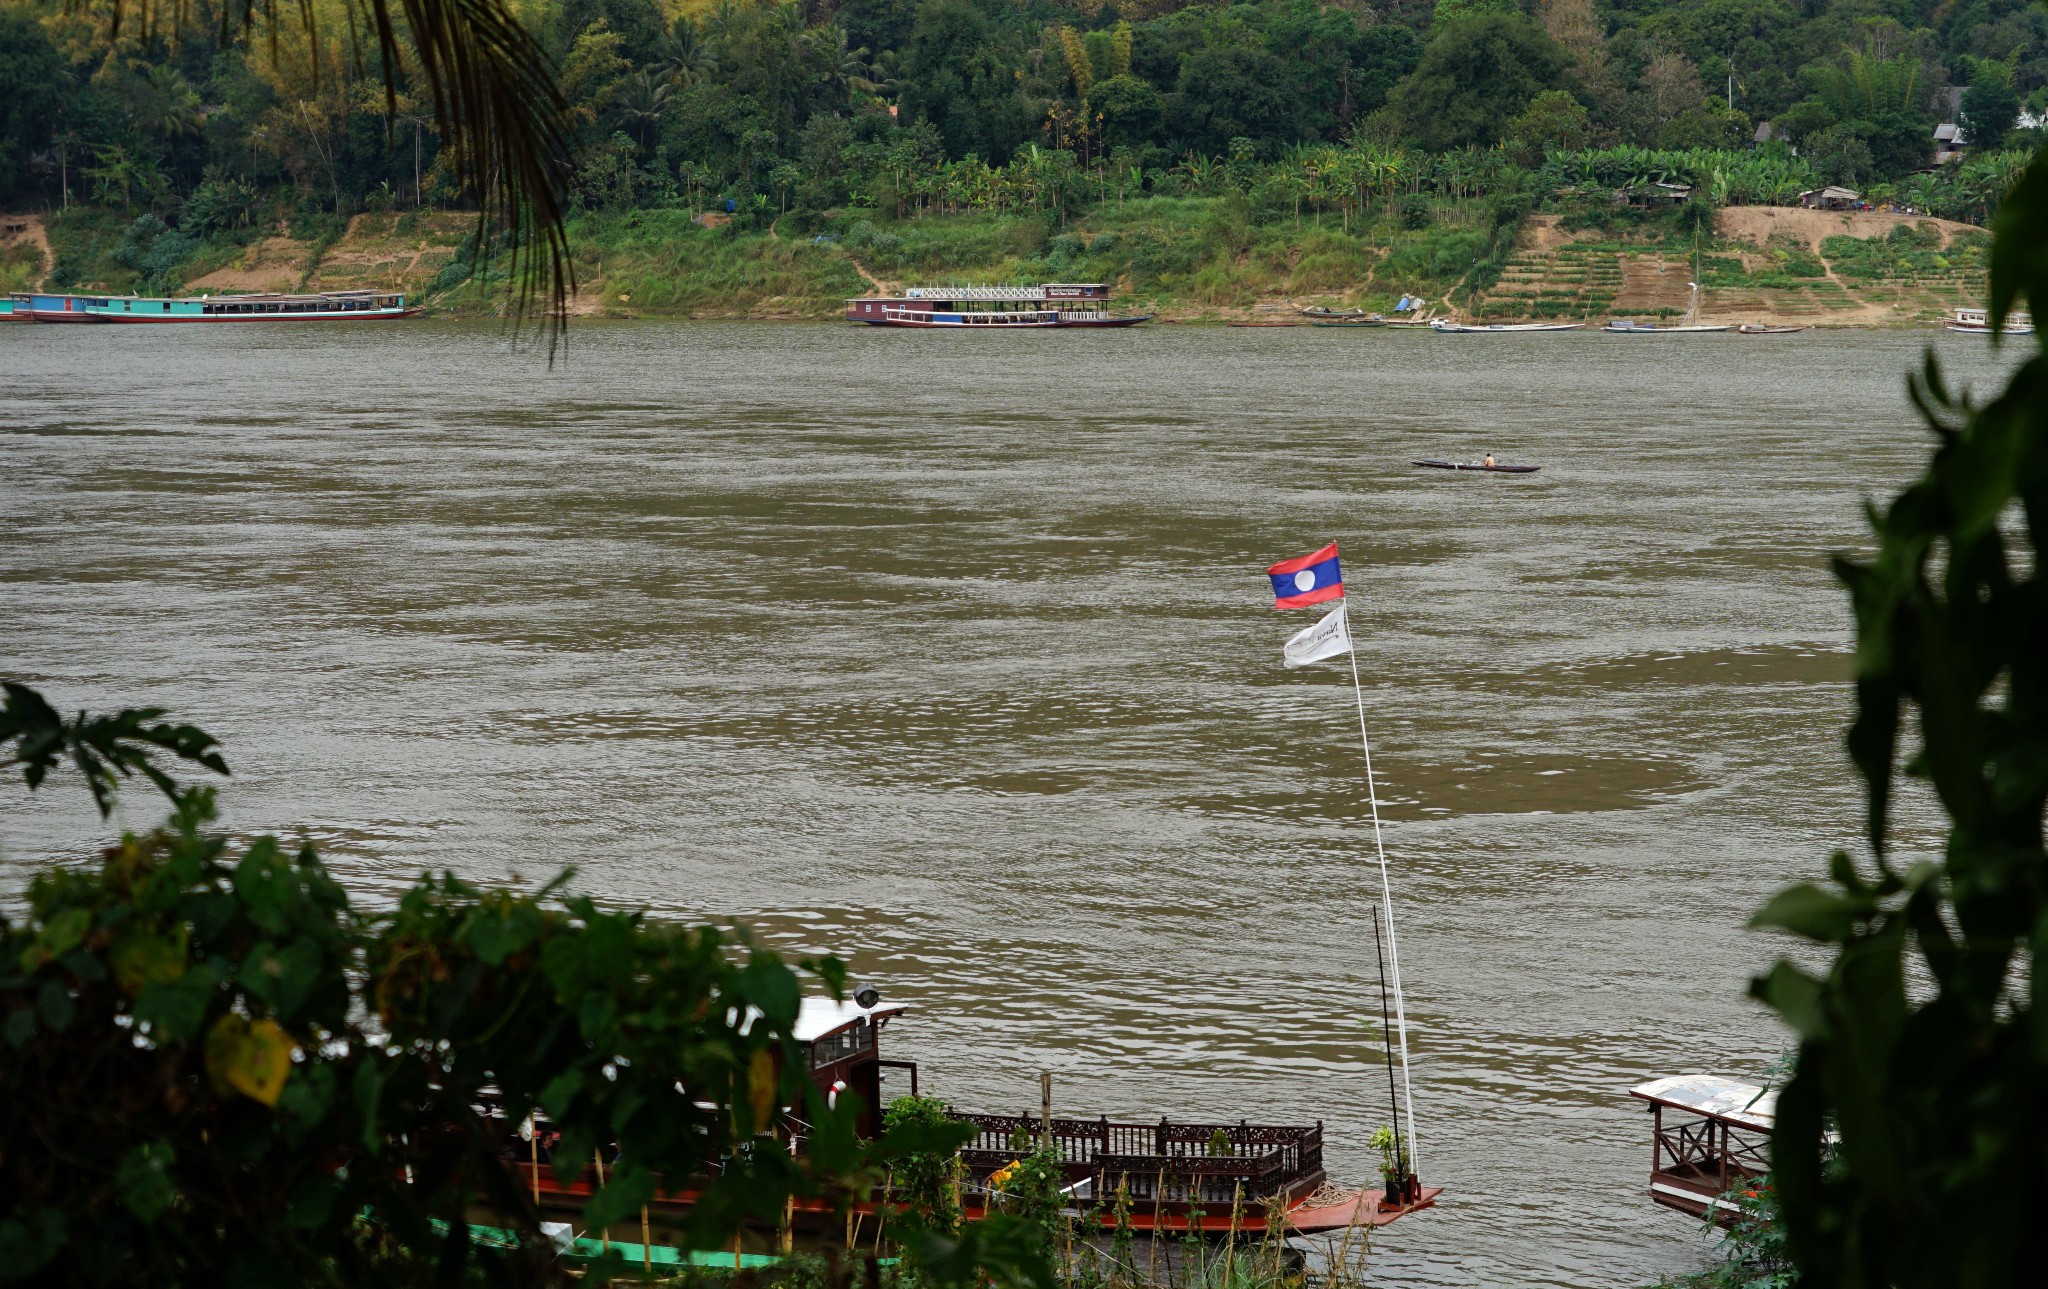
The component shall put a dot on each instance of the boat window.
(838, 1046)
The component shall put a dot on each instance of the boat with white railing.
(1977, 322)
(1055, 304)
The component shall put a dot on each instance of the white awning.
(1743, 1104)
(817, 1017)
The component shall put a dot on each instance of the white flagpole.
(1386, 893)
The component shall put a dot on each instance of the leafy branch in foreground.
(104, 748)
(218, 1070)
(1925, 1045)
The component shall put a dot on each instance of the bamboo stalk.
(604, 1236)
(1230, 1242)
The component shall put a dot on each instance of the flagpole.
(1386, 895)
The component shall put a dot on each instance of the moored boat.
(1447, 327)
(1977, 322)
(1056, 304)
(1630, 327)
(322, 306)
(1765, 329)
(1196, 1178)
(1373, 320)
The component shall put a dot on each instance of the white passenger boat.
(1977, 322)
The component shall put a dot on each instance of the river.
(954, 654)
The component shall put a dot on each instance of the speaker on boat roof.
(866, 996)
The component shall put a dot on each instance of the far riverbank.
(1184, 260)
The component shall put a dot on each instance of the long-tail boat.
(1056, 304)
(1178, 1176)
(321, 306)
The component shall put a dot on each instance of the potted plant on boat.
(1395, 1178)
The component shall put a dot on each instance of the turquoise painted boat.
(324, 306)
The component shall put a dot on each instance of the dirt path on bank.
(32, 233)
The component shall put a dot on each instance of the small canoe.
(1759, 329)
(1318, 311)
(1349, 322)
(1434, 464)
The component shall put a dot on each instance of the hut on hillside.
(1653, 194)
(1831, 198)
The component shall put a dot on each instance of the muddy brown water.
(953, 654)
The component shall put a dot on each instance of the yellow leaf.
(761, 1089)
(250, 1057)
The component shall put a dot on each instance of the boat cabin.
(1708, 1135)
(1055, 304)
(841, 1042)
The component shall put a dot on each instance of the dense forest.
(806, 111)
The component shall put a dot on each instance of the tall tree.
(1477, 75)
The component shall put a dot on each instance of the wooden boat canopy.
(1719, 1138)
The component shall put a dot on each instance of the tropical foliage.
(758, 110)
(220, 1070)
(1921, 1083)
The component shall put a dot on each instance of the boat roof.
(1743, 1104)
(817, 1017)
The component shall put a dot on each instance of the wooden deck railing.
(1163, 1162)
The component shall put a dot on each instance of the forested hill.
(817, 112)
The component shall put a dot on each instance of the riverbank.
(1185, 260)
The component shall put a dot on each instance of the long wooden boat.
(1763, 329)
(1629, 327)
(1435, 464)
(1977, 322)
(1055, 304)
(1447, 327)
(1179, 1177)
(323, 306)
(1348, 322)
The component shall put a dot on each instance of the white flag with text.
(1326, 639)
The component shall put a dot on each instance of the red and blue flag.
(1309, 579)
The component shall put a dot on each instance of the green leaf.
(54, 1005)
(176, 1010)
(283, 978)
(1795, 996)
(623, 1194)
(57, 937)
(145, 1181)
(1008, 1251)
(142, 955)
(20, 1027)
(1807, 910)
(28, 1242)
(502, 927)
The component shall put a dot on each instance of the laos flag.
(1309, 579)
